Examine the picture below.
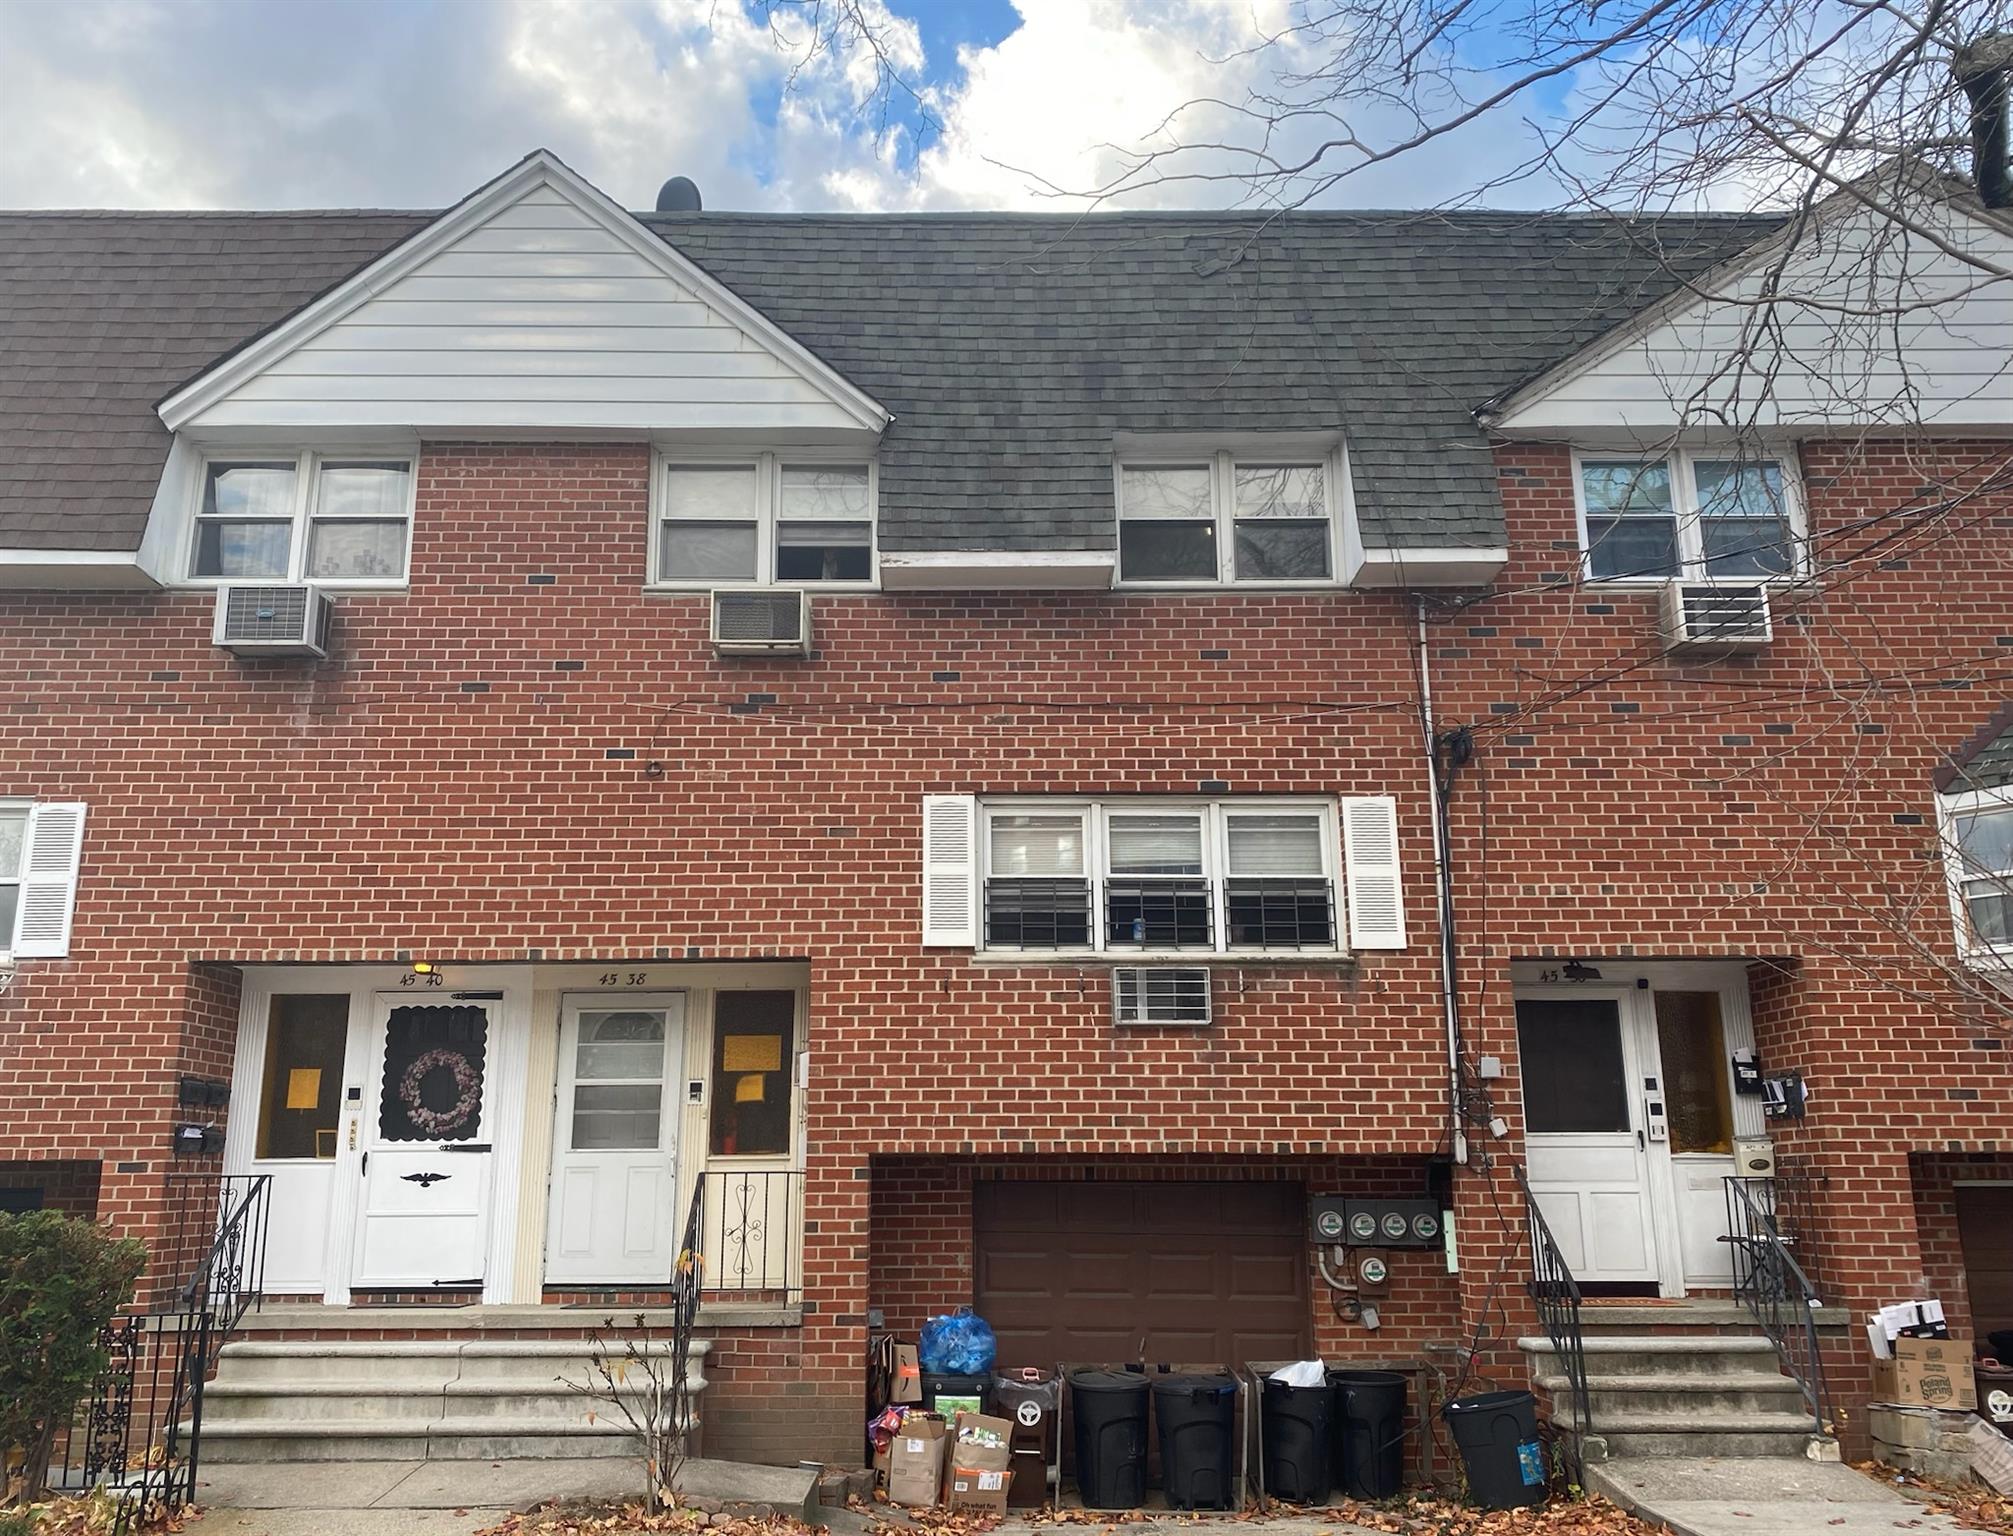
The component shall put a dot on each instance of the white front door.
(1587, 1141)
(613, 1213)
(424, 1213)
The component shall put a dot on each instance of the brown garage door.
(1198, 1272)
(1985, 1232)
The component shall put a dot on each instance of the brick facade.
(469, 777)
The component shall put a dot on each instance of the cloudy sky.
(411, 103)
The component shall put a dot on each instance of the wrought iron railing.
(1556, 1296)
(1771, 1284)
(1277, 912)
(750, 1231)
(140, 1433)
(1158, 914)
(1037, 914)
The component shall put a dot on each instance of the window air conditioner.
(1710, 615)
(762, 623)
(273, 621)
(1160, 994)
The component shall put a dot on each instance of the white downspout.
(1449, 1010)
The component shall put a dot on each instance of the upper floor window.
(1688, 514)
(340, 519)
(1978, 859)
(1143, 876)
(770, 518)
(1227, 518)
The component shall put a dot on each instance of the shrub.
(61, 1281)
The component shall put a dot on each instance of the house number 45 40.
(624, 979)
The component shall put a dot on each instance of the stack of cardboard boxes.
(1924, 1392)
(963, 1464)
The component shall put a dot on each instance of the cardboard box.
(1926, 1373)
(981, 1463)
(916, 1460)
(908, 1384)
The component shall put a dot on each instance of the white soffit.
(993, 570)
(535, 303)
(1415, 569)
(71, 570)
(1876, 326)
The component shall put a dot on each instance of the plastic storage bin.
(1109, 1410)
(1298, 1428)
(1195, 1415)
(1497, 1433)
(1369, 1432)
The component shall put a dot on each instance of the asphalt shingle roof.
(1010, 348)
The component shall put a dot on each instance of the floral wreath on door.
(467, 1089)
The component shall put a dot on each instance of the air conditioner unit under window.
(754, 623)
(288, 620)
(1160, 994)
(1712, 615)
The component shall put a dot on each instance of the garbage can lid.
(1486, 1402)
(1366, 1379)
(1195, 1381)
(1107, 1381)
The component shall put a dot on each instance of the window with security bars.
(1146, 878)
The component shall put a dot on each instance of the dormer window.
(771, 519)
(1224, 518)
(336, 519)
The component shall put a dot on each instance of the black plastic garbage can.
(1297, 1424)
(1109, 1408)
(1497, 1433)
(1032, 1403)
(1194, 1415)
(1369, 1432)
(935, 1386)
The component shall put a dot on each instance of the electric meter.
(1362, 1225)
(1373, 1270)
(1426, 1226)
(1395, 1226)
(1328, 1224)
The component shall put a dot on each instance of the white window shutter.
(1370, 850)
(951, 871)
(49, 879)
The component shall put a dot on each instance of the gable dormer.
(535, 306)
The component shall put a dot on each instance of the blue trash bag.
(956, 1344)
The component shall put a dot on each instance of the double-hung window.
(1144, 877)
(337, 519)
(1227, 518)
(1710, 515)
(1978, 856)
(767, 519)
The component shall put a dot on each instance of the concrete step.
(408, 1439)
(342, 1402)
(1624, 1395)
(1663, 1354)
(1700, 1313)
(394, 1361)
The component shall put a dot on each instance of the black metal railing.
(1556, 1296)
(140, 1432)
(1037, 914)
(1158, 914)
(1770, 1283)
(750, 1232)
(1277, 912)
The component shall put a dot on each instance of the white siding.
(540, 316)
(1878, 327)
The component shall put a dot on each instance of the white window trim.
(1222, 464)
(1216, 814)
(307, 469)
(1684, 508)
(1979, 956)
(768, 464)
(11, 938)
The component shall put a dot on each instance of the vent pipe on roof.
(1983, 70)
(679, 195)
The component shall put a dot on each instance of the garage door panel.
(1163, 1271)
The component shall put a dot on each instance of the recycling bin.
(1497, 1434)
(1030, 1400)
(937, 1385)
(1195, 1414)
(1109, 1411)
(1369, 1438)
(1297, 1425)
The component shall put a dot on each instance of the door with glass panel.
(615, 1141)
(299, 1120)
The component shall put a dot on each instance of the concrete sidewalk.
(1765, 1497)
(393, 1498)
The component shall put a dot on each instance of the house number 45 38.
(624, 979)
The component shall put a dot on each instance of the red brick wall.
(466, 777)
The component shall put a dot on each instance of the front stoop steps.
(1683, 1395)
(411, 1399)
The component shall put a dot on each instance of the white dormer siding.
(1876, 327)
(534, 306)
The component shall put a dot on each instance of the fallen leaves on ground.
(1969, 1504)
(95, 1514)
(1424, 1516)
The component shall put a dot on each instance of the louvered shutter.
(1370, 851)
(951, 870)
(49, 879)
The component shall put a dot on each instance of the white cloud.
(239, 103)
